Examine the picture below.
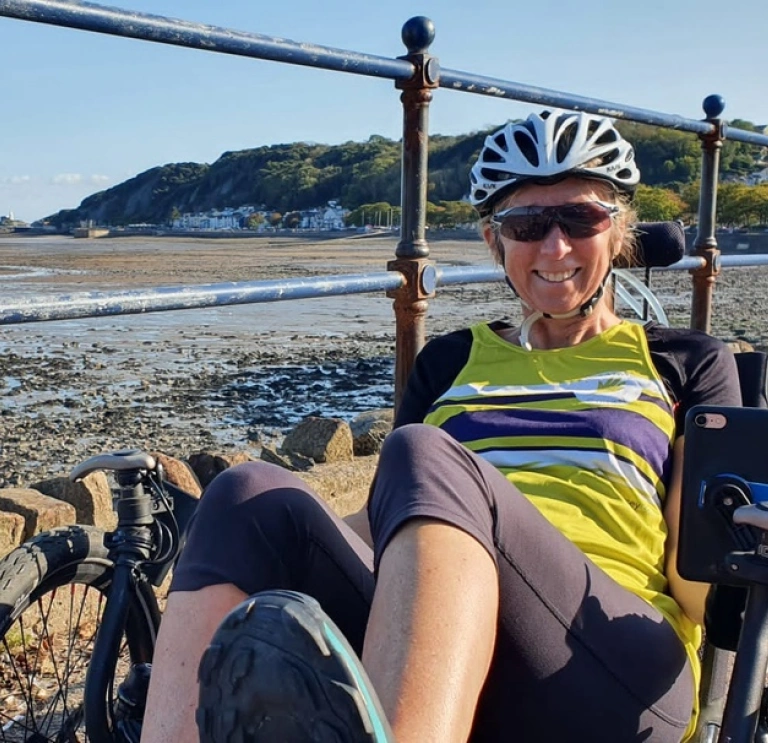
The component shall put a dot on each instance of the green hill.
(286, 177)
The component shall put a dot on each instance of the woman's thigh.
(260, 527)
(577, 657)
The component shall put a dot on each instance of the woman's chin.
(551, 306)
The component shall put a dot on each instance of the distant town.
(331, 217)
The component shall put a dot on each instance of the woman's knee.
(256, 491)
(413, 441)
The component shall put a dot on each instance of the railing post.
(412, 251)
(706, 244)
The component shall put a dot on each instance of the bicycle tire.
(40, 693)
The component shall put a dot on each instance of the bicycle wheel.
(52, 593)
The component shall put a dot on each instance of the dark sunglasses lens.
(525, 227)
(584, 220)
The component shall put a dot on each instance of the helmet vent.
(565, 140)
(501, 142)
(493, 175)
(609, 157)
(491, 156)
(527, 148)
(607, 137)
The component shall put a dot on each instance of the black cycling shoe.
(278, 669)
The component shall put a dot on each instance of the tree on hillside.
(379, 214)
(658, 204)
(742, 205)
(451, 214)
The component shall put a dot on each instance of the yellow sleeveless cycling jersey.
(586, 434)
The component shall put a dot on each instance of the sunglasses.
(531, 223)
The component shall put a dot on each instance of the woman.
(520, 582)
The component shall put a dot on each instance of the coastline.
(235, 377)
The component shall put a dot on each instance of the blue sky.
(82, 112)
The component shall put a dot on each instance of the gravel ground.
(234, 377)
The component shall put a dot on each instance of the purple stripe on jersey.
(494, 401)
(613, 424)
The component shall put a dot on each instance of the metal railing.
(412, 278)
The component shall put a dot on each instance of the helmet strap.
(585, 310)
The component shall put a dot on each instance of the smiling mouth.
(557, 278)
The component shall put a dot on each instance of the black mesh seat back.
(752, 378)
(659, 244)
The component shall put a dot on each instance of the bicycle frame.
(152, 517)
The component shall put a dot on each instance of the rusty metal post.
(412, 251)
(706, 243)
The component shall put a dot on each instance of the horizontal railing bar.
(118, 22)
(452, 275)
(469, 83)
(753, 259)
(161, 299)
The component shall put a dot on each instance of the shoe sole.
(278, 669)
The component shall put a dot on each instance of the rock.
(40, 512)
(91, 498)
(369, 429)
(11, 531)
(322, 439)
(289, 461)
(179, 473)
(740, 346)
(206, 464)
(343, 485)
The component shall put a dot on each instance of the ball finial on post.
(417, 34)
(713, 106)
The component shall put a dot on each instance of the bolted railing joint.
(426, 74)
(410, 307)
(420, 279)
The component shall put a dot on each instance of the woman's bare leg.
(432, 630)
(189, 621)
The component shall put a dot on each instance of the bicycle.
(79, 616)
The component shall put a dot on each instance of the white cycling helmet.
(547, 147)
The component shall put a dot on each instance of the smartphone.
(726, 451)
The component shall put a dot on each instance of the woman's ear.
(489, 235)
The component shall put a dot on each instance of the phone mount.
(741, 508)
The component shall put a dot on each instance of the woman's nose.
(556, 242)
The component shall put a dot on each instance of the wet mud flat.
(234, 377)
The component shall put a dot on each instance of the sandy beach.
(234, 377)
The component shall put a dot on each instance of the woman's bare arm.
(691, 595)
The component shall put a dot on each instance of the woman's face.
(558, 273)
